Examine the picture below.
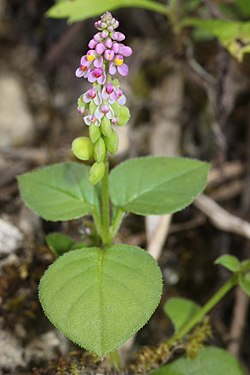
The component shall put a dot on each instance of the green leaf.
(59, 192)
(99, 298)
(180, 311)
(76, 10)
(233, 35)
(229, 261)
(244, 281)
(209, 361)
(59, 243)
(157, 185)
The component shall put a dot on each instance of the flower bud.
(112, 142)
(94, 133)
(96, 173)
(99, 150)
(83, 148)
(106, 127)
(92, 107)
(124, 116)
(116, 108)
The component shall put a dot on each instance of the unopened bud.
(94, 133)
(124, 116)
(92, 107)
(116, 108)
(106, 127)
(96, 173)
(83, 148)
(112, 142)
(99, 150)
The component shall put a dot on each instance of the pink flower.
(86, 62)
(109, 54)
(112, 94)
(91, 119)
(91, 94)
(104, 110)
(117, 36)
(97, 75)
(119, 65)
(109, 93)
(125, 50)
(100, 48)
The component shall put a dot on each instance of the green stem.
(106, 240)
(204, 310)
(115, 361)
(116, 223)
(97, 221)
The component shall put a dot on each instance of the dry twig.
(221, 218)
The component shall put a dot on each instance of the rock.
(11, 353)
(46, 347)
(10, 238)
(16, 122)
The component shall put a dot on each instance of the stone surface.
(10, 238)
(11, 353)
(16, 122)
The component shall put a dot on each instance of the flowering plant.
(103, 105)
(99, 293)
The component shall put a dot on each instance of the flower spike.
(103, 105)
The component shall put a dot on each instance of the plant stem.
(116, 223)
(114, 359)
(106, 240)
(97, 221)
(204, 310)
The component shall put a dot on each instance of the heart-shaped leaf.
(180, 310)
(157, 185)
(99, 298)
(209, 361)
(59, 192)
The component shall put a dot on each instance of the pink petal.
(98, 62)
(112, 69)
(86, 98)
(79, 72)
(91, 78)
(97, 37)
(100, 48)
(108, 43)
(101, 80)
(125, 51)
(84, 61)
(116, 47)
(104, 34)
(123, 70)
(122, 100)
(92, 44)
(98, 114)
(109, 54)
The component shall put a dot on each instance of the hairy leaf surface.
(157, 185)
(59, 192)
(99, 298)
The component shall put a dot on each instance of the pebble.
(10, 238)
(16, 122)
